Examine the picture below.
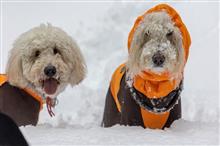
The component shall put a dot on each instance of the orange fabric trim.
(175, 18)
(3, 79)
(115, 84)
(154, 121)
(155, 87)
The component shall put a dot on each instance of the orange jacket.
(148, 83)
(175, 18)
(3, 79)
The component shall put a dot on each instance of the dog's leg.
(111, 114)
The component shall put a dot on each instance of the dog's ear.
(135, 52)
(78, 65)
(14, 69)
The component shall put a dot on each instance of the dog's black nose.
(50, 70)
(158, 59)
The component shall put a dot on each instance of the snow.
(101, 30)
(182, 132)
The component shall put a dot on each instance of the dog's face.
(47, 58)
(156, 46)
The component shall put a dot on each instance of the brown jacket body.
(132, 114)
(19, 105)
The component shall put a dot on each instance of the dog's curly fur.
(42, 46)
(151, 36)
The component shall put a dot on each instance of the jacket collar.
(156, 86)
(155, 105)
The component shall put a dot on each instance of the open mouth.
(50, 85)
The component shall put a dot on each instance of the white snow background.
(101, 30)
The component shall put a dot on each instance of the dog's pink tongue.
(50, 86)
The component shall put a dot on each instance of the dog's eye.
(170, 33)
(147, 33)
(55, 51)
(37, 53)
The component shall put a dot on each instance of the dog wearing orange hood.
(145, 91)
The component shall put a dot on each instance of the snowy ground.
(183, 132)
(101, 30)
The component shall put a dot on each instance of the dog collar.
(155, 105)
(42, 98)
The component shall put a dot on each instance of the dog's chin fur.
(150, 37)
(42, 46)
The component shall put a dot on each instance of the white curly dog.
(44, 60)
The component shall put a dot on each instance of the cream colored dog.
(145, 91)
(42, 62)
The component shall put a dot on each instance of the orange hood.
(160, 85)
(175, 18)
